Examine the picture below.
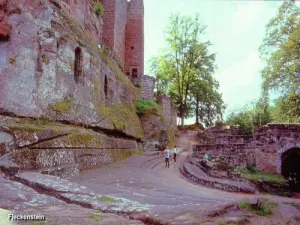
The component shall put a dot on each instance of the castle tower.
(115, 17)
(134, 40)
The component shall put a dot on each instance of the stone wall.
(271, 142)
(264, 149)
(134, 41)
(147, 87)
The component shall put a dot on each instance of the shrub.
(263, 206)
(98, 8)
(142, 106)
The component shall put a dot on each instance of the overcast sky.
(236, 30)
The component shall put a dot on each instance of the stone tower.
(115, 19)
(134, 40)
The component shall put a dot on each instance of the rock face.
(5, 28)
(62, 150)
(77, 107)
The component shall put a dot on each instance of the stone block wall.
(134, 41)
(147, 87)
(264, 149)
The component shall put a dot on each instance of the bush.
(263, 206)
(142, 106)
(98, 8)
(251, 168)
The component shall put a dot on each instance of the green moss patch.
(94, 217)
(263, 208)
(62, 106)
(81, 139)
(122, 118)
(106, 199)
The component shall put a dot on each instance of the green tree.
(206, 101)
(183, 62)
(281, 51)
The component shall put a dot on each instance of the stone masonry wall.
(134, 42)
(264, 149)
(147, 87)
(109, 22)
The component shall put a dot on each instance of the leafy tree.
(207, 101)
(185, 61)
(250, 116)
(281, 50)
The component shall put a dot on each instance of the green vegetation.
(62, 106)
(255, 175)
(98, 8)
(82, 139)
(184, 71)
(280, 50)
(94, 217)
(138, 85)
(263, 207)
(106, 199)
(144, 106)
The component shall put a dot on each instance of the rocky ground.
(131, 191)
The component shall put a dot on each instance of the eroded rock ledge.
(59, 149)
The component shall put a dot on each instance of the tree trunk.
(197, 109)
(182, 116)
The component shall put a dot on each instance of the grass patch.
(106, 199)
(94, 217)
(263, 208)
(255, 175)
(62, 106)
(144, 106)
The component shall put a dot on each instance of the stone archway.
(290, 167)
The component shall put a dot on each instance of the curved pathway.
(145, 179)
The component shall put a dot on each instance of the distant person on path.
(167, 156)
(175, 153)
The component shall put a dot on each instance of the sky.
(235, 28)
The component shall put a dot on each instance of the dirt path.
(146, 180)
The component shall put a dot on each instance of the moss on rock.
(62, 106)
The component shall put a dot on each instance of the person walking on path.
(167, 156)
(175, 153)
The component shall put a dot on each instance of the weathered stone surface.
(159, 126)
(73, 193)
(63, 150)
(37, 69)
(265, 149)
(147, 87)
(8, 167)
(20, 199)
(5, 28)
